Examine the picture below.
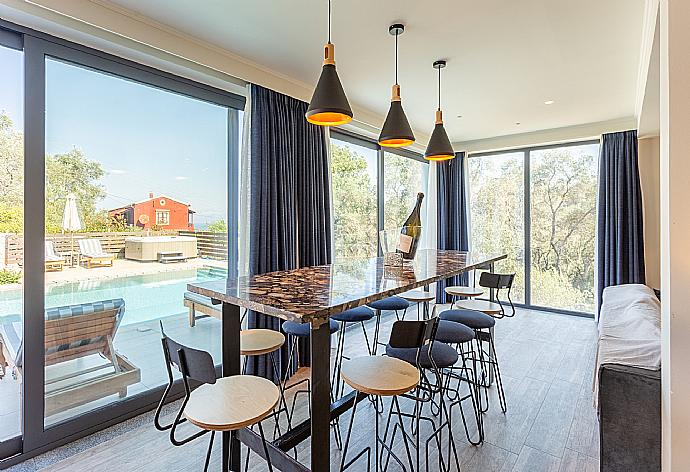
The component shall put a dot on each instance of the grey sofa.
(629, 380)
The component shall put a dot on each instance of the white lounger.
(93, 254)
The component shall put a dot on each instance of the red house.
(160, 212)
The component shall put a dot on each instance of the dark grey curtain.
(451, 215)
(620, 236)
(289, 207)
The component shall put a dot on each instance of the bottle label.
(405, 243)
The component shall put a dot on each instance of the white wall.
(648, 159)
(675, 232)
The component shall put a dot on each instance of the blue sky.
(146, 139)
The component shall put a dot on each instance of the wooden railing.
(66, 244)
(210, 245)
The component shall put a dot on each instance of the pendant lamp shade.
(328, 105)
(396, 131)
(439, 147)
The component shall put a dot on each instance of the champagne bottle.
(411, 232)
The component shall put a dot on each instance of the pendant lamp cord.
(439, 88)
(396, 58)
(329, 21)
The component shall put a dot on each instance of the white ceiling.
(505, 57)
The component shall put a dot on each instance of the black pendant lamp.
(396, 131)
(329, 105)
(439, 147)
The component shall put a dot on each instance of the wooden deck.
(551, 425)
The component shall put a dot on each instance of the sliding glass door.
(134, 175)
(11, 235)
(563, 217)
(119, 187)
(497, 219)
(539, 206)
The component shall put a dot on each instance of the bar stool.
(361, 315)
(419, 297)
(461, 336)
(415, 343)
(219, 404)
(387, 304)
(482, 324)
(381, 377)
(495, 282)
(458, 291)
(296, 331)
(260, 342)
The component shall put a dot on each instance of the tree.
(562, 197)
(219, 226)
(11, 176)
(73, 173)
(354, 204)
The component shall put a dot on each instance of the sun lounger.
(200, 304)
(93, 254)
(74, 332)
(52, 260)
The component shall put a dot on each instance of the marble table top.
(312, 294)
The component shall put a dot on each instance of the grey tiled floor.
(547, 361)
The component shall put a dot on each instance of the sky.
(146, 139)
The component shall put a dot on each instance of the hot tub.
(148, 248)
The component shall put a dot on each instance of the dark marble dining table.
(312, 295)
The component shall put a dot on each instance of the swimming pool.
(147, 297)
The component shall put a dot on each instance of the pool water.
(147, 297)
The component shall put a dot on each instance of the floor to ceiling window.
(497, 208)
(127, 168)
(539, 205)
(354, 183)
(146, 172)
(11, 232)
(404, 178)
(373, 189)
(563, 217)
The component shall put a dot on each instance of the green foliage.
(11, 220)
(73, 173)
(562, 226)
(10, 277)
(219, 226)
(11, 162)
(354, 204)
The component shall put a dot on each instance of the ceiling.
(505, 57)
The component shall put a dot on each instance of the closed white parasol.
(71, 221)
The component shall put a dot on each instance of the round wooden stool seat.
(232, 403)
(417, 296)
(380, 375)
(485, 306)
(256, 342)
(463, 291)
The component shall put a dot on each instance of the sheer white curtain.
(431, 207)
(245, 172)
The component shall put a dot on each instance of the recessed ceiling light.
(459, 116)
(517, 123)
(549, 102)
